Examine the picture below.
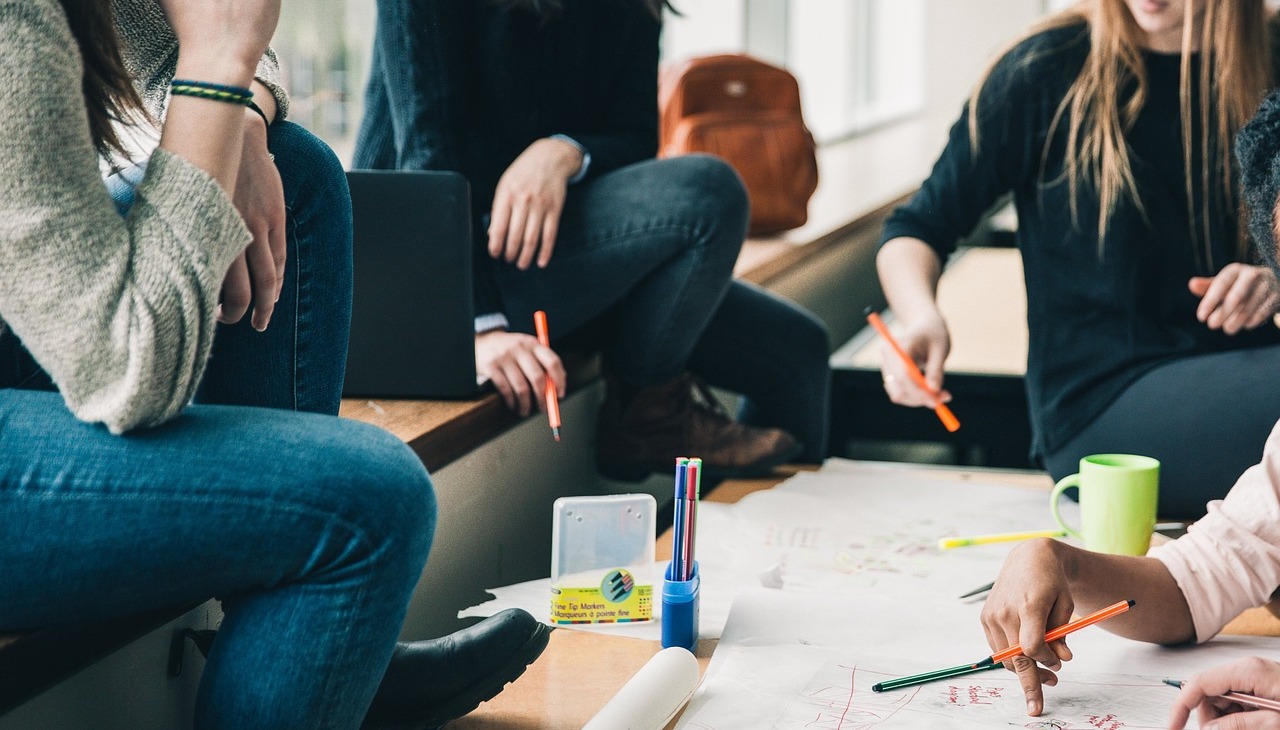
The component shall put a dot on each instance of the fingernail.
(1031, 707)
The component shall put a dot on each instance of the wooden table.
(581, 671)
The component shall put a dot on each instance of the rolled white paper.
(653, 696)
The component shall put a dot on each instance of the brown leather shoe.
(681, 418)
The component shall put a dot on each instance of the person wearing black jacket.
(549, 107)
(1150, 321)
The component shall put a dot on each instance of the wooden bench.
(862, 180)
(983, 299)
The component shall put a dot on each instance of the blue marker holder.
(680, 610)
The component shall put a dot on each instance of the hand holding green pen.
(1010, 652)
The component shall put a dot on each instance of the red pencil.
(945, 415)
(691, 516)
(553, 401)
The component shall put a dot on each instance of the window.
(324, 48)
(860, 63)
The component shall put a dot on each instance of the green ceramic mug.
(1118, 494)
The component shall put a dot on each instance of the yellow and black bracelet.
(215, 92)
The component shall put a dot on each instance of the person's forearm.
(208, 134)
(1160, 614)
(909, 270)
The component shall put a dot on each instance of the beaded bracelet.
(215, 92)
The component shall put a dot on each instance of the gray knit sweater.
(119, 311)
(151, 54)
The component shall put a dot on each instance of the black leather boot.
(429, 683)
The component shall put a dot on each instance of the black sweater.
(1097, 320)
(467, 85)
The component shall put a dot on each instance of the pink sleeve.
(1230, 560)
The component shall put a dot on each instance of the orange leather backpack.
(748, 113)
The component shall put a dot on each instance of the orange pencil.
(994, 660)
(945, 415)
(1114, 609)
(553, 401)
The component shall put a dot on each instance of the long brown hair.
(1235, 74)
(108, 91)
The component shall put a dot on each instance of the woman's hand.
(213, 33)
(1203, 693)
(528, 202)
(1240, 297)
(518, 367)
(257, 275)
(928, 342)
(1030, 596)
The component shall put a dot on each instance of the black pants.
(1204, 417)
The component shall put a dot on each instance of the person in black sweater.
(1150, 326)
(549, 107)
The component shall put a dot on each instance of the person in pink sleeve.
(1190, 588)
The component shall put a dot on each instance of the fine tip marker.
(949, 420)
(553, 401)
(996, 659)
(979, 589)
(950, 543)
(1240, 698)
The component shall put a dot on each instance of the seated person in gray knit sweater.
(116, 495)
(284, 309)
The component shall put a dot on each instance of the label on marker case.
(618, 599)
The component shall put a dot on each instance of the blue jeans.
(647, 252)
(299, 362)
(311, 529)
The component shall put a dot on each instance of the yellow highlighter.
(948, 543)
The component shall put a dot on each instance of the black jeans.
(650, 248)
(1204, 417)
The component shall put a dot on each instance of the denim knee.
(808, 334)
(710, 186)
(311, 172)
(382, 489)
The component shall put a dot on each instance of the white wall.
(962, 39)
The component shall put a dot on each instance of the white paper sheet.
(786, 660)
(851, 527)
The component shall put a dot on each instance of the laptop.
(412, 314)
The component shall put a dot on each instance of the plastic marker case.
(602, 559)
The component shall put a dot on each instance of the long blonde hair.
(1235, 74)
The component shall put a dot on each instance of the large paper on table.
(787, 661)
(853, 527)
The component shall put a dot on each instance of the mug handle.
(1063, 485)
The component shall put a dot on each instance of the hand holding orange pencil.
(945, 415)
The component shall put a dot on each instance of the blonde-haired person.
(1150, 327)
